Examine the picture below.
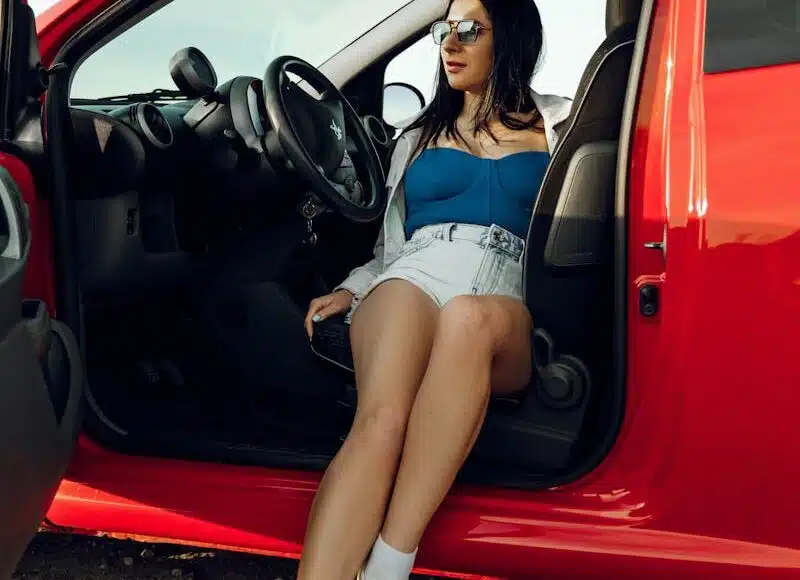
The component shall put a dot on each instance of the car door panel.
(41, 382)
(41, 372)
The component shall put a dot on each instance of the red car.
(159, 248)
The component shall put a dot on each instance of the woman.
(437, 318)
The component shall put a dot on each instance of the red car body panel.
(702, 480)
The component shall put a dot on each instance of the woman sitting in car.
(438, 322)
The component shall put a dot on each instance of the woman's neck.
(472, 101)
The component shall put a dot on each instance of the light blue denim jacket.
(392, 237)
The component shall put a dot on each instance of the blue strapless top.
(446, 185)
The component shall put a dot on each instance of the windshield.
(240, 37)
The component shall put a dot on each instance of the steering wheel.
(313, 135)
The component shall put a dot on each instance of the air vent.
(376, 130)
(154, 125)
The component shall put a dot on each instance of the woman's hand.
(326, 306)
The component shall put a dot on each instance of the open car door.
(41, 373)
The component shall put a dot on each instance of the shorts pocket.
(415, 245)
(497, 274)
(485, 278)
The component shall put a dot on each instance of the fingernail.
(317, 318)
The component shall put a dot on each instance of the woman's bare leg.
(392, 333)
(480, 341)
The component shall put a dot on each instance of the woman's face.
(468, 65)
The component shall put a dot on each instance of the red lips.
(454, 66)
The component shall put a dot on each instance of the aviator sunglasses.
(467, 31)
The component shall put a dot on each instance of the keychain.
(310, 211)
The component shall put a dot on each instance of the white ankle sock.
(386, 563)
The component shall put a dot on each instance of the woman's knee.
(471, 318)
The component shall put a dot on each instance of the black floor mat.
(152, 372)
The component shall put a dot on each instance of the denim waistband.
(493, 236)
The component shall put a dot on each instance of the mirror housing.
(401, 102)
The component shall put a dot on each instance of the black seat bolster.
(585, 204)
(568, 269)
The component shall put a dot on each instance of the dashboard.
(116, 148)
(154, 179)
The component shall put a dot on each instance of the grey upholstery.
(577, 232)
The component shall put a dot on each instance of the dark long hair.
(517, 43)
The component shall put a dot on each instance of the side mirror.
(401, 102)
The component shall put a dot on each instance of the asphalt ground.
(61, 557)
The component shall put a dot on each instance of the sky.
(243, 36)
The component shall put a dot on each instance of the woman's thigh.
(511, 368)
(391, 334)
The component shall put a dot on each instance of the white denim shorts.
(448, 260)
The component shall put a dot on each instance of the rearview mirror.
(401, 102)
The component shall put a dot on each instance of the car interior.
(193, 226)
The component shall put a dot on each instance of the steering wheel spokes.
(331, 112)
(314, 134)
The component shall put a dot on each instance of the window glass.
(240, 37)
(744, 34)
